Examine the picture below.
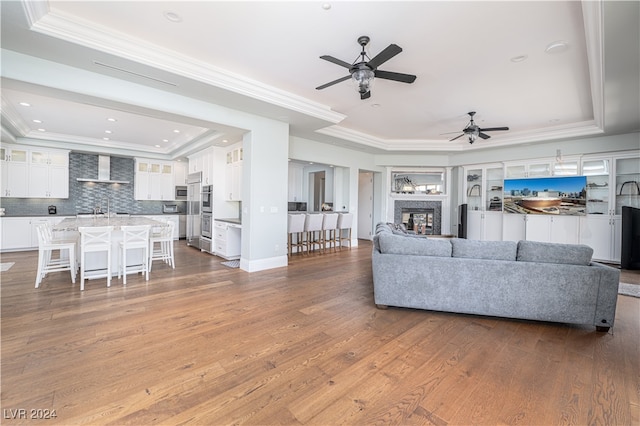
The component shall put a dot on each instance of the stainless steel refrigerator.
(194, 208)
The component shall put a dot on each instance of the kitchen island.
(68, 227)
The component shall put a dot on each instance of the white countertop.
(73, 223)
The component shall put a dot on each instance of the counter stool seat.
(345, 222)
(295, 228)
(94, 239)
(312, 231)
(161, 245)
(47, 245)
(133, 238)
(329, 235)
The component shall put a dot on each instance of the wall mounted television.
(561, 195)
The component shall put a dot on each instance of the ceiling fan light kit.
(364, 70)
(473, 131)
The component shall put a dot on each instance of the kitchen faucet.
(98, 209)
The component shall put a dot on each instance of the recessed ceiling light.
(113, 120)
(172, 16)
(375, 105)
(165, 140)
(108, 131)
(105, 139)
(557, 47)
(27, 104)
(157, 146)
(519, 58)
(41, 130)
(176, 131)
(37, 121)
(224, 141)
(326, 6)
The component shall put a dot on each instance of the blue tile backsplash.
(85, 196)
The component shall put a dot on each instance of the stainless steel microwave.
(181, 193)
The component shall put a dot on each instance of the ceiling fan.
(473, 130)
(364, 69)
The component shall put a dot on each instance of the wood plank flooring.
(210, 345)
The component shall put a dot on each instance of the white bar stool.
(134, 237)
(312, 225)
(295, 227)
(95, 239)
(329, 225)
(46, 262)
(163, 236)
(345, 222)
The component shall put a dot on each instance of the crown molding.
(594, 39)
(12, 118)
(88, 34)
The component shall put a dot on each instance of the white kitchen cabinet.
(296, 178)
(180, 172)
(19, 233)
(234, 175)
(153, 180)
(48, 174)
(15, 172)
(486, 226)
(514, 227)
(227, 238)
(202, 161)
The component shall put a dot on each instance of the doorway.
(365, 205)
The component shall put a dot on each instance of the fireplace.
(423, 217)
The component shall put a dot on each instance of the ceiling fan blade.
(483, 136)
(459, 136)
(491, 129)
(395, 76)
(331, 83)
(382, 57)
(365, 95)
(336, 61)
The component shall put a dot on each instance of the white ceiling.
(263, 58)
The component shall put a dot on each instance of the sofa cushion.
(404, 244)
(572, 254)
(494, 250)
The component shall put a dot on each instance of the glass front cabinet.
(612, 182)
(483, 196)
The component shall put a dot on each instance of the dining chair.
(133, 238)
(95, 239)
(163, 237)
(47, 245)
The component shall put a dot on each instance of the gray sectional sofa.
(525, 280)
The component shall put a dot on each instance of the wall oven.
(207, 198)
(206, 229)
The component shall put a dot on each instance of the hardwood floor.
(206, 344)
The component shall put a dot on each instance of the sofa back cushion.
(404, 244)
(572, 254)
(494, 250)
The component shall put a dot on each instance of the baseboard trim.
(263, 264)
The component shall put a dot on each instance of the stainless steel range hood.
(104, 172)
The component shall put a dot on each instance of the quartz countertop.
(235, 220)
(73, 223)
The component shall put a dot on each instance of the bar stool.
(134, 237)
(46, 262)
(295, 226)
(312, 225)
(345, 222)
(329, 225)
(163, 236)
(94, 239)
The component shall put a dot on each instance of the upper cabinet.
(234, 174)
(542, 168)
(202, 161)
(34, 172)
(483, 196)
(180, 172)
(154, 180)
